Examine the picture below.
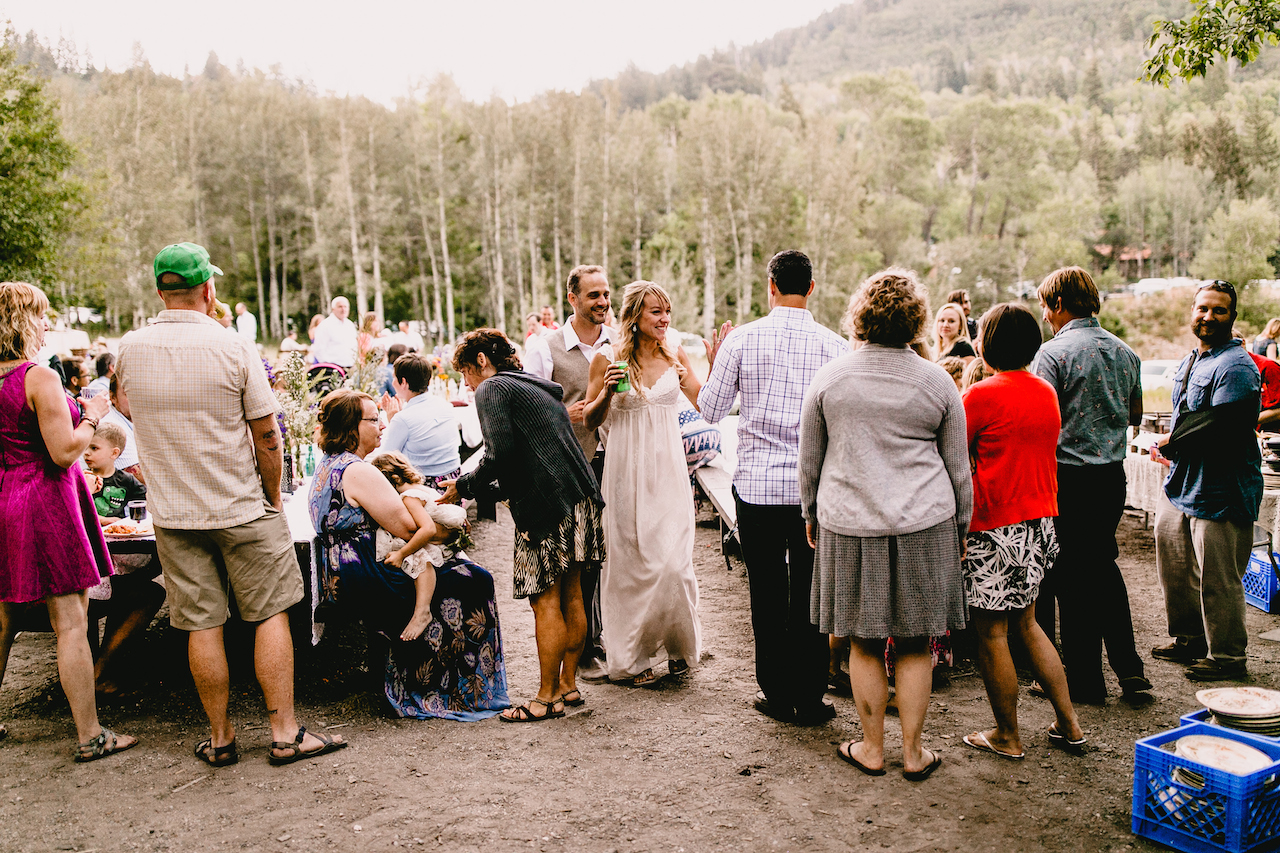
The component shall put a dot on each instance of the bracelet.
(92, 421)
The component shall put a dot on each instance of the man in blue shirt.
(1099, 387)
(1204, 524)
(423, 427)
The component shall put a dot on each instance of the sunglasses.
(1219, 285)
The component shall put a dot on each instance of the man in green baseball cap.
(188, 265)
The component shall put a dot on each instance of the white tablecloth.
(1146, 480)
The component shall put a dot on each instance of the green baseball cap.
(187, 260)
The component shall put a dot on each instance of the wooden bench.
(717, 485)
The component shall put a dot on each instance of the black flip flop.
(926, 771)
(217, 756)
(849, 759)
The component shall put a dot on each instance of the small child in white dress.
(419, 557)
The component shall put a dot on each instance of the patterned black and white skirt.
(1003, 567)
(578, 539)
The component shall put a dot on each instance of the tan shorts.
(255, 561)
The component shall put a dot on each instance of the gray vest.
(571, 369)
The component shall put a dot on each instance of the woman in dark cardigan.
(533, 460)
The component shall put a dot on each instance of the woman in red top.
(1013, 424)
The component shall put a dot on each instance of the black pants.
(590, 577)
(1091, 593)
(791, 655)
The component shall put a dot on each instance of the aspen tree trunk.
(362, 296)
(521, 296)
(273, 282)
(708, 269)
(636, 273)
(325, 295)
(576, 212)
(500, 280)
(438, 320)
(748, 263)
(536, 291)
(253, 241)
(604, 202)
(373, 230)
(555, 252)
(737, 246)
(192, 165)
(444, 231)
(304, 297)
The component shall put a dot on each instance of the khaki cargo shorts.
(254, 562)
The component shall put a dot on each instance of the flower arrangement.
(299, 403)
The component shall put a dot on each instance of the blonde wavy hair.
(963, 330)
(633, 296)
(22, 310)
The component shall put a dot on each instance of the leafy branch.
(1235, 29)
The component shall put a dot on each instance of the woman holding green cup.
(649, 594)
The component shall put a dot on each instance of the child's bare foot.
(416, 626)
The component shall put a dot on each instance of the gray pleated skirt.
(889, 586)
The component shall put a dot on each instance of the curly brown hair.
(340, 415)
(889, 308)
(397, 469)
(497, 348)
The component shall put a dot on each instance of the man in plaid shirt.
(770, 364)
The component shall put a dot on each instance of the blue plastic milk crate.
(1238, 814)
(1260, 584)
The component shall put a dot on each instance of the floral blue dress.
(455, 670)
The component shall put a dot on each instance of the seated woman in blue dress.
(455, 669)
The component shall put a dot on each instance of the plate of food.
(125, 528)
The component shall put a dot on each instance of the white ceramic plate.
(1228, 755)
(1241, 701)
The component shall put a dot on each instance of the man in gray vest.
(564, 356)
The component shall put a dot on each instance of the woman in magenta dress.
(51, 547)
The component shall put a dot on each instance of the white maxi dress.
(649, 593)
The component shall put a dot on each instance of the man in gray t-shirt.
(1097, 378)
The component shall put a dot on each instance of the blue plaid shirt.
(770, 363)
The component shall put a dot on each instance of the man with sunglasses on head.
(1204, 524)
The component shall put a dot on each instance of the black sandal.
(575, 702)
(103, 745)
(217, 756)
(524, 713)
(295, 747)
(677, 667)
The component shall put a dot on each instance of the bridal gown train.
(649, 593)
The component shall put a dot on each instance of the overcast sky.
(514, 48)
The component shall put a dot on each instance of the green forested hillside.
(1037, 148)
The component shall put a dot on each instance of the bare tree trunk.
(576, 212)
(555, 252)
(708, 269)
(437, 318)
(444, 231)
(373, 230)
(737, 246)
(638, 210)
(193, 165)
(521, 296)
(273, 289)
(325, 296)
(605, 192)
(362, 297)
(535, 250)
(253, 241)
(500, 279)
(304, 297)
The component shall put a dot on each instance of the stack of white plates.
(1249, 709)
(1270, 479)
(1218, 752)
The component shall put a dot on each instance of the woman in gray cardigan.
(885, 490)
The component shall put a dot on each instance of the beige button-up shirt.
(193, 387)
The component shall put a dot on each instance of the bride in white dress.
(649, 593)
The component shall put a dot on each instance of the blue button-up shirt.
(1225, 489)
(426, 432)
(1097, 378)
(770, 362)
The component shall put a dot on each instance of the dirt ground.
(689, 766)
